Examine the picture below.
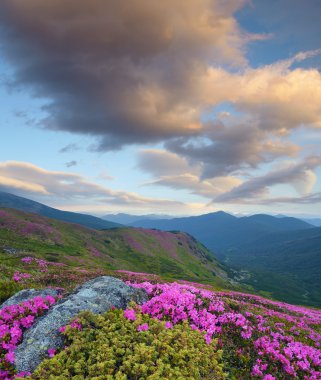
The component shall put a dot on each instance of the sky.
(179, 107)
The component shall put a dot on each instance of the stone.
(28, 294)
(97, 296)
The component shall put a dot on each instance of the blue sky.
(184, 107)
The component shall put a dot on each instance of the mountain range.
(127, 219)
(24, 204)
(277, 255)
(314, 221)
(221, 231)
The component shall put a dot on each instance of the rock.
(97, 295)
(11, 251)
(28, 294)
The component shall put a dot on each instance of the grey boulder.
(97, 296)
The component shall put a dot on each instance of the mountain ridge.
(166, 253)
(24, 204)
(220, 231)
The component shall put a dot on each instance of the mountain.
(277, 255)
(314, 221)
(24, 204)
(221, 231)
(175, 255)
(286, 264)
(127, 219)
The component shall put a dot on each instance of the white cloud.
(56, 186)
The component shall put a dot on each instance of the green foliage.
(7, 289)
(110, 347)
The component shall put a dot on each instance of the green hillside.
(24, 204)
(171, 255)
(287, 264)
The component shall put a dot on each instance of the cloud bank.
(26, 179)
(125, 72)
(173, 72)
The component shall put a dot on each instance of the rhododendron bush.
(255, 338)
(14, 319)
(261, 339)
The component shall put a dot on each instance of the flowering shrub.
(14, 320)
(243, 336)
(113, 347)
(261, 339)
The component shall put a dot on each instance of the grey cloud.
(71, 164)
(309, 199)
(205, 188)
(300, 176)
(173, 171)
(140, 71)
(163, 163)
(305, 200)
(225, 149)
(69, 148)
(122, 71)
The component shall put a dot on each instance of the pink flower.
(130, 314)
(18, 276)
(10, 357)
(76, 325)
(22, 374)
(256, 371)
(27, 260)
(143, 327)
(50, 299)
(27, 321)
(208, 338)
(169, 325)
(51, 352)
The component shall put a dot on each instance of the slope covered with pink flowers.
(260, 338)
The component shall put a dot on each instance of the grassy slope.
(171, 255)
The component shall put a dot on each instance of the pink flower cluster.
(130, 314)
(14, 319)
(42, 264)
(126, 275)
(279, 340)
(94, 251)
(37, 227)
(143, 327)
(19, 277)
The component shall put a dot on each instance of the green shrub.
(7, 289)
(110, 347)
